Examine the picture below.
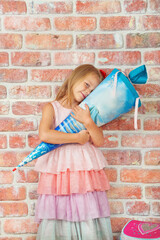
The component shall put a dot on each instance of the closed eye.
(87, 85)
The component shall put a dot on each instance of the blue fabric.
(138, 75)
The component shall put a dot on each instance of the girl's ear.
(103, 73)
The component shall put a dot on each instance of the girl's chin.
(77, 101)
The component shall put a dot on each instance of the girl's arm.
(47, 134)
(83, 116)
(95, 132)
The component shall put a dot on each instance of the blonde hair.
(76, 76)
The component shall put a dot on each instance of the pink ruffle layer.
(74, 157)
(75, 207)
(66, 183)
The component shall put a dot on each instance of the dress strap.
(60, 112)
(54, 104)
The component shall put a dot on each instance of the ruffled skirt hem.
(75, 157)
(74, 207)
(96, 229)
(66, 183)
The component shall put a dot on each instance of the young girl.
(72, 203)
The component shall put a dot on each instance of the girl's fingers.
(75, 109)
(86, 106)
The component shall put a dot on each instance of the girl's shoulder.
(48, 108)
(52, 107)
(48, 105)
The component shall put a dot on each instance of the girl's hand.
(82, 115)
(83, 137)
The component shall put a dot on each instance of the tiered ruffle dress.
(72, 203)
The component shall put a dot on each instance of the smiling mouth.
(83, 95)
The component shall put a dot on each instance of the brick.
(6, 177)
(27, 176)
(90, 7)
(51, 7)
(21, 124)
(152, 58)
(116, 207)
(125, 192)
(156, 208)
(141, 141)
(13, 7)
(118, 223)
(154, 74)
(27, 23)
(32, 92)
(13, 209)
(10, 41)
(55, 90)
(152, 192)
(110, 141)
(137, 208)
(30, 238)
(152, 124)
(117, 23)
(119, 58)
(12, 193)
(149, 22)
(20, 226)
(33, 193)
(99, 41)
(3, 92)
(122, 123)
(75, 23)
(137, 6)
(111, 174)
(8, 159)
(13, 75)
(4, 108)
(32, 208)
(143, 40)
(50, 75)
(3, 141)
(152, 157)
(148, 90)
(17, 141)
(27, 108)
(153, 219)
(72, 58)
(12, 159)
(154, 5)
(30, 59)
(4, 60)
(10, 238)
(122, 157)
(33, 140)
(151, 107)
(48, 41)
(140, 175)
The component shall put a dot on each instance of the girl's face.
(83, 88)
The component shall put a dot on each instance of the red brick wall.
(40, 42)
